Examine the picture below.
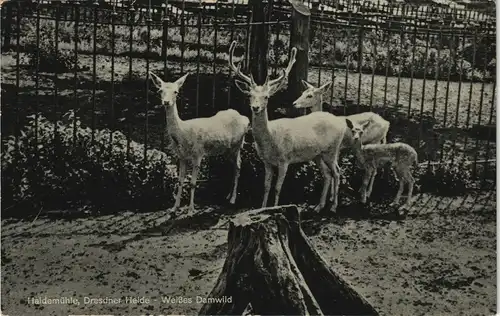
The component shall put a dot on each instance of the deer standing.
(219, 135)
(285, 141)
(372, 156)
(376, 128)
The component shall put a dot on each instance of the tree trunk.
(271, 265)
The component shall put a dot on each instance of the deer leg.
(364, 185)
(335, 172)
(181, 175)
(194, 177)
(327, 182)
(370, 185)
(237, 167)
(332, 191)
(282, 169)
(401, 187)
(267, 183)
(411, 182)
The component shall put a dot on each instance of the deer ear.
(349, 123)
(242, 86)
(365, 125)
(156, 80)
(181, 80)
(326, 86)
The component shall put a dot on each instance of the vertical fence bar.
(471, 86)
(37, 76)
(131, 19)
(232, 22)
(148, 52)
(56, 82)
(401, 46)
(76, 7)
(334, 37)
(247, 44)
(347, 61)
(424, 81)
(165, 23)
(198, 62)
(413, 62)
(360, 63)
(112, 90)
(436, 77)
(437, 68)
(448, 75)
(320, 59)
(16, 179)
(278, 33)
(94, 70)
(457, 109)
(481, 99)
(164, 54)
(387, 60)
(374, 64)
(131, 13)
(269, 28)
(490, 121)
(214, 81)
(183, 37)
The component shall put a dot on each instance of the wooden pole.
(299, 38)
(272, 266)
(258, 41)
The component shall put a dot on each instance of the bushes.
(49, 59)
(70, 167)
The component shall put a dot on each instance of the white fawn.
(373, 156)
(285, 141)
(219, 135)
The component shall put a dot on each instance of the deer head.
(259, 94)
(357, 130)
(168, 90)
(311, 96)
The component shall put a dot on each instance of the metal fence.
(419, 61)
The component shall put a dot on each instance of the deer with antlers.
(285, 141)
(219, 135)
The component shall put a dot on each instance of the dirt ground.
(439, 260)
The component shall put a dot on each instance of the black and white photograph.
(248, 157)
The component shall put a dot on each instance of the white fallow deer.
(401, 156)
(376, 127)
(285, 141)
(376, 131)
(219, 135)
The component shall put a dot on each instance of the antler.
(286, 72)
(236, 69)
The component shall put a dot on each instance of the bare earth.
(440, 260)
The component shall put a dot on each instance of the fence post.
(258, 41)
(299, 38)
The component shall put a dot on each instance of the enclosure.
(82, 122)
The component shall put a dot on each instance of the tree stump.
(272, 265)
